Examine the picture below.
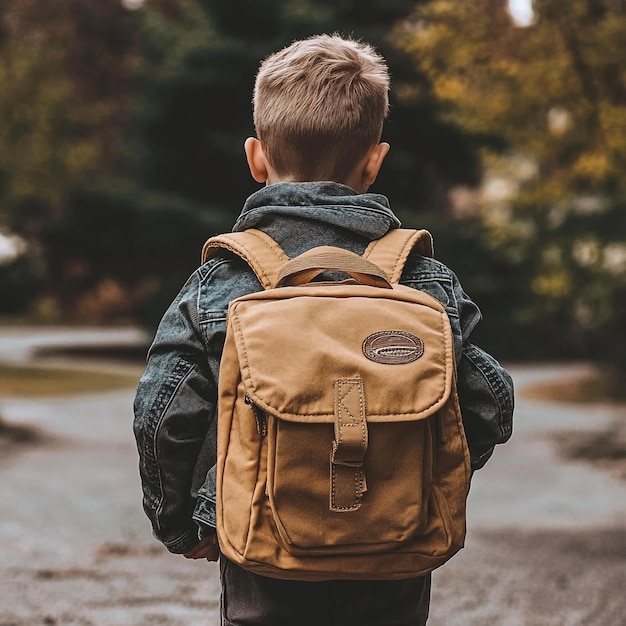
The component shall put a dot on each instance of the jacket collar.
(331, 203)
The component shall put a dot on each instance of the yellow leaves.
(81, 156)
(558, 279)
(500, 236)
(107, 300)
(553, 90)
(34, 102)
(554, 285)
(47, 138)
(408, 92)
(613, 121)
(450, 88)
(593, 168)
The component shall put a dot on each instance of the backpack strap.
(264, 256)
(391, 251)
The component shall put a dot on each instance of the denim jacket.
(175, 405)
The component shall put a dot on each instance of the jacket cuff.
(479, 458)
(204, 511)
(183, 543)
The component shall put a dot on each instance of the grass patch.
(605, 449)
(43, 381)
(14, 437)
(17, 433)
(592, 389)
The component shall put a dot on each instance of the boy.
(319, 107)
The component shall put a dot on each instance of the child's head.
(319, 107)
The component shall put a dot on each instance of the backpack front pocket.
(394, 507)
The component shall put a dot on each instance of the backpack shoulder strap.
(264, 256)
(391, 251)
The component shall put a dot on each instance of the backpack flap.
(292, 349)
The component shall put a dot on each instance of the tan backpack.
(341, 450)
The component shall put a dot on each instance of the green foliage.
(123, 147)
(19, 286)
(64, 71)
(62, 68)
(580, 276)
(35, 107)
(30, 382)
(196, 79)
(193, 113)
(120, 246)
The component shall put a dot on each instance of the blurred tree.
(65, 68)
(555, 92)
(196, 80)
(193, 112)
(117, 198)
(18, 286)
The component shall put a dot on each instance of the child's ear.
(255, 155)
(373, 163)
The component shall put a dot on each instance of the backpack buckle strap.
(347, 474)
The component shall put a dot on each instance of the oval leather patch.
(393, 347)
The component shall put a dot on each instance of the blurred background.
(121, 152)
(122, 125)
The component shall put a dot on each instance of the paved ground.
(546, 546)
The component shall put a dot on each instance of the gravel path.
(547, 536)
(546, 543)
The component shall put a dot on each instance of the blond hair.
(319, 106)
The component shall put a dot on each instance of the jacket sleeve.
(174, 412)
(485, 388)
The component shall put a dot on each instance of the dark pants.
(252, 600)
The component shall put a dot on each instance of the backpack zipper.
(259, 416)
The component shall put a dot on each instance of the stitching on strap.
(392, 257)
(278, 252)
(247, 256)
(236, 243)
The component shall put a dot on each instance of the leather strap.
(305, 267)
(264, 256)
(391, 251)
(347, 474)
